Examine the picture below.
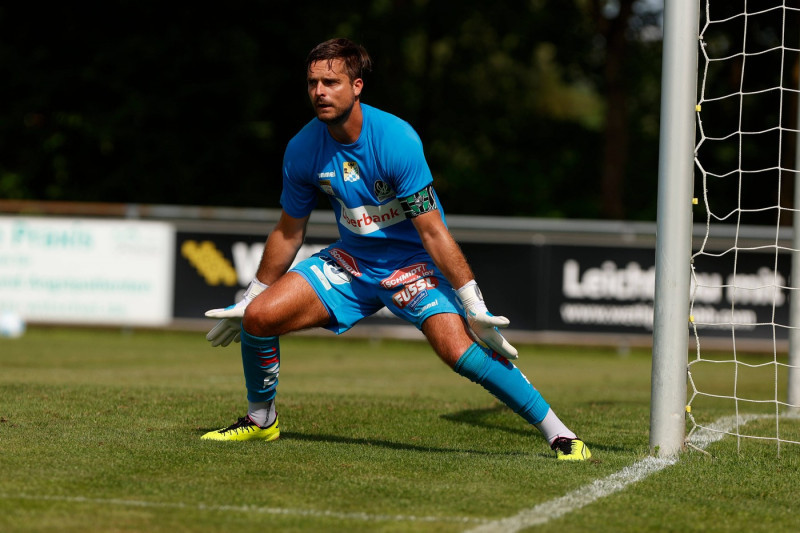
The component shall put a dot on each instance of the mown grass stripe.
(537, 515)
(364, 517)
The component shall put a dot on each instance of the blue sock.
(499, 376)
(261, 360)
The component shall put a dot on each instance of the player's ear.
(358, 84)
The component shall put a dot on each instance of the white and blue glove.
(483, 323)
(229, 328)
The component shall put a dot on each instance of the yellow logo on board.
(209, 263)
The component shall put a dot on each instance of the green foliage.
(100, 431)
(159, 103)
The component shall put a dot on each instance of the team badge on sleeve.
(419, 203)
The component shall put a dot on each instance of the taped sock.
(261, 362)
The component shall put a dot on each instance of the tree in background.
(539, 108)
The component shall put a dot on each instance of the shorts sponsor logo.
(335, 273)
(345, 260)
(413, 293)
(406, 275)
(430, 305)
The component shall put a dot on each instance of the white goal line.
(583, 496)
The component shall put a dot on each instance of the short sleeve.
(299, 194)
(404, 160)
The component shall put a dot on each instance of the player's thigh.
(289, 304)
(448, 335)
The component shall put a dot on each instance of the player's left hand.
(226, 331)
(229, 328)
(483, 323)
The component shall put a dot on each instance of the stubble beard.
(339, 118)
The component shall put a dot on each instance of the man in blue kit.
(394, 250)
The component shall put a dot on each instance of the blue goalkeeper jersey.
(364, 181)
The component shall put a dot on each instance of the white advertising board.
(87, 271)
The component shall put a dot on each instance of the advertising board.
(73, 270)
(539, 287)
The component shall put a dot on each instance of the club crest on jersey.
(351, 173)
(383, 190)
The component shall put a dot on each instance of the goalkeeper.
(394, 250)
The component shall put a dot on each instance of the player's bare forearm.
(281, 248)
(443, 249)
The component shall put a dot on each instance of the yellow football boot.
(570, 449)
(245, 429)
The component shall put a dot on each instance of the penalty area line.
(583, 496)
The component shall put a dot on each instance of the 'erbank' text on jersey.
(364, 181)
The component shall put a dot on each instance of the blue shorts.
(354, 289)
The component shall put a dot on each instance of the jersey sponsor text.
(367, 219)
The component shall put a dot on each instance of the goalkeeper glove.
(482, 322)
(229, 329)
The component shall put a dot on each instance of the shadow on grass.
(475, 417)
(487, 418)
(404, 446)
(291, 435)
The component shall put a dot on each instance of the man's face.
(331, 92)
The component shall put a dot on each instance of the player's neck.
(349, 130)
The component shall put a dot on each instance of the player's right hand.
(229, 328)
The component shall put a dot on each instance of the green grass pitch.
(99, 431)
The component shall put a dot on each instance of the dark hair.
(355, 57)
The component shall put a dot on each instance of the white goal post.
(728, 90)
(674, 226)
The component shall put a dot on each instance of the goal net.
(746, 181)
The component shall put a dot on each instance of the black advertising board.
(599, 289)
(212, 269)
(509, 277)
(539, 287)
(611, 290)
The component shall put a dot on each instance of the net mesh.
(745, 157)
